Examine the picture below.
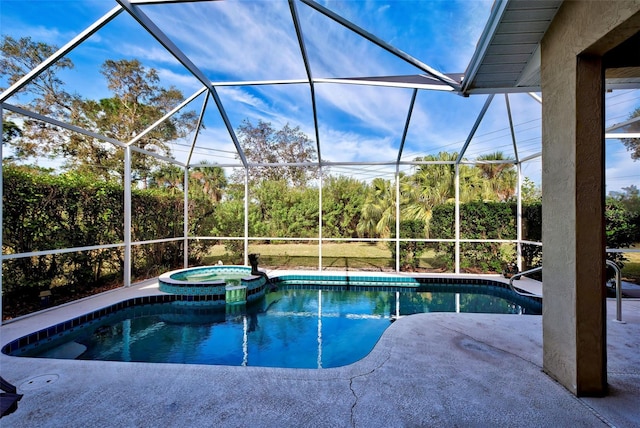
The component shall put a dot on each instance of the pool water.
(295, 328)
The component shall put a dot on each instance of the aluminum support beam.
(513, 131)
(535, 97)
(246, 216)
(530, 157)
(104, 20)
(519, 222)
(167, 116)
(623, 124)
(381, 82)
(198, 127)
(61, 251)
(615, 136)
(145, 2)
(127, 216)
(1, 207)
(82, 131)
(307, 67)
(397, 237)
(485, 107)
(219, 84)
(185, 228)
(330, 164)
(63, 125)
(162, 38)
(384, 45)
(397, 175)
(320, 222)
(457, 220)
(406, 125)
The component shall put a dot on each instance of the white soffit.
(507, 57)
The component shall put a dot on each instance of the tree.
(263, 144)
(45, 94)
(531, 193)
(169, 177)
(428, 186)
(621, 230)
(208, 180)
(342, 200)
(433, 184)
(378, 211)
(499, 179)
(633, 144)
(138, 102)
(205, 181)
(284, 210)
(10, 131)
(629, 201)
(629, 198)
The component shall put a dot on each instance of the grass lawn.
(357, 249)
(631, 269)
(355, 255)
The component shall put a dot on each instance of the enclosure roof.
(362, 93)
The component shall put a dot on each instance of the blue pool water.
(296, 328)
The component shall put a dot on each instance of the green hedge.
(43, 212)
(410, 251)
(486, 220)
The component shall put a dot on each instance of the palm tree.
(378, 210)
(168, 177)
(430, 185)
(209, 181)
(499, 179)
(434, 184)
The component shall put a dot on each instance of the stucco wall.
(574, 319)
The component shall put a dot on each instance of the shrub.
(410, 251)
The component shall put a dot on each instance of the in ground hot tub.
(220, 284)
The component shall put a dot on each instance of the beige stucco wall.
(574, 318)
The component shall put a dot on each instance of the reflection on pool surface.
(296, 328)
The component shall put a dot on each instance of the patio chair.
(8, 399)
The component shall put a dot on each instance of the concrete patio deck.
(427, 370)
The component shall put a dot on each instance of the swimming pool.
(297, 326)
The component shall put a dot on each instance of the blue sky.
(256, 40)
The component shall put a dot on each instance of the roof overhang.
(507, 56)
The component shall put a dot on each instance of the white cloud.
(382, 9)
(155, 54)
(383, 110)
(51, 22)
(242, 40)
(240, 104)
(340, 146)
(183, 81)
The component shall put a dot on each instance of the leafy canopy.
(262, 144)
